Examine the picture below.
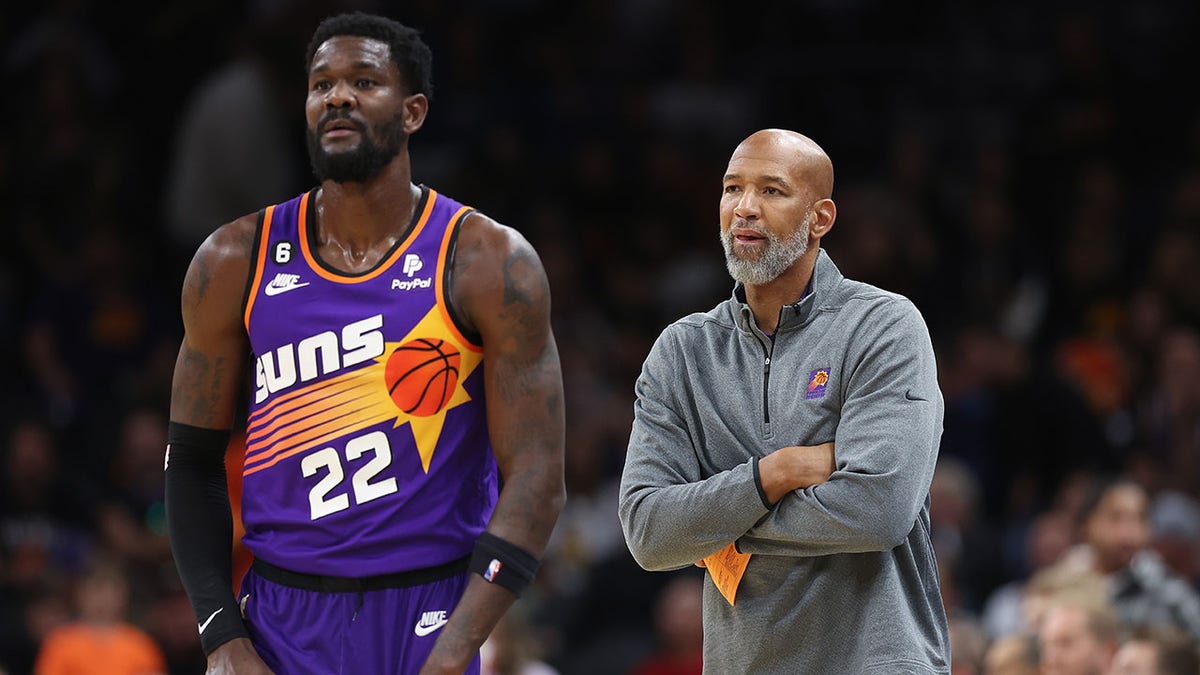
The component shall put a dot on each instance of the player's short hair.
(409, 51)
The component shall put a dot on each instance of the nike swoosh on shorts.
(422, 631)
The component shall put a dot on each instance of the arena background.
(1027, 173)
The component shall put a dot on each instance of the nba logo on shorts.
(492, 570)
(817, 381)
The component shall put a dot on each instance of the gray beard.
(777, 256)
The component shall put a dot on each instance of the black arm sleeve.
(200, 525)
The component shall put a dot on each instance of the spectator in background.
(678, 630)
(27, 615)
(132, 518)
(1175, 521)
(1171, 409)
(605, 631)
(239, 145)
(43, 512)
(968, 552)
(968, 646)
(1115, 529)
(1050, 586)
(513, 648)
(93, 338)
(44, 538)
(1011, 655)
(1077, 635)
(1046, 539)
(169, 622)
(1157, 650)
(101, 641)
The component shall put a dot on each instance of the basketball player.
(402, 363)
(740, 414)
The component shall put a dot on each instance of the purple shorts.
(383, 631)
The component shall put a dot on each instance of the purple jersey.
(366, 445)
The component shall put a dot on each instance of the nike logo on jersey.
(430, 621)
(282, 283)
(209, 620)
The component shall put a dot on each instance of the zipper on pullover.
(766, 403)
(768, 347)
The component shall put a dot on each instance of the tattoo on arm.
(200, 388)
(204, 388)
(203, 278)
(516, 278)
(216, 383)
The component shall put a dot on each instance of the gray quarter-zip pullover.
(843, 577)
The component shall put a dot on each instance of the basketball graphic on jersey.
(421, 375)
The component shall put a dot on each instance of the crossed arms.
(886, 447)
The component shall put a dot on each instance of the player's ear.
(824, 213)
(415, 109)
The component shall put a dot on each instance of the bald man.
(786, 440)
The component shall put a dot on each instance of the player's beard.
(361, 163)
(776, 257)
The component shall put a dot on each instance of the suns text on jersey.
(321, 354)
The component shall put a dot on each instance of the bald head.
(804, 159)
(776, 206)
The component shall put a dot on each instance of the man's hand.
(236, 657)
(795, 467)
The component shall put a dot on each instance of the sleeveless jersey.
(342, 475)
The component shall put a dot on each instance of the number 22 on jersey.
(320, 502)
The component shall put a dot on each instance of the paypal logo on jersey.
(412, 265)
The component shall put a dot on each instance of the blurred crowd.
(1027, 173)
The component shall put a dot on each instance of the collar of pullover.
(826, 277)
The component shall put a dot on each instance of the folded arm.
(671, 514)
(887, 443)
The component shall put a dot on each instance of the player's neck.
(766, 300)
(363, 213)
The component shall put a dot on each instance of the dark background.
(1027, 173)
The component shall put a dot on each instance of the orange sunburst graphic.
(310, 416)
(819, 379)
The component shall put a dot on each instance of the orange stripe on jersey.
(455, 223)
(317, 413)
(307, 439)
(258, 416)
(259, 264)
(309, 410)
(386, 265)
